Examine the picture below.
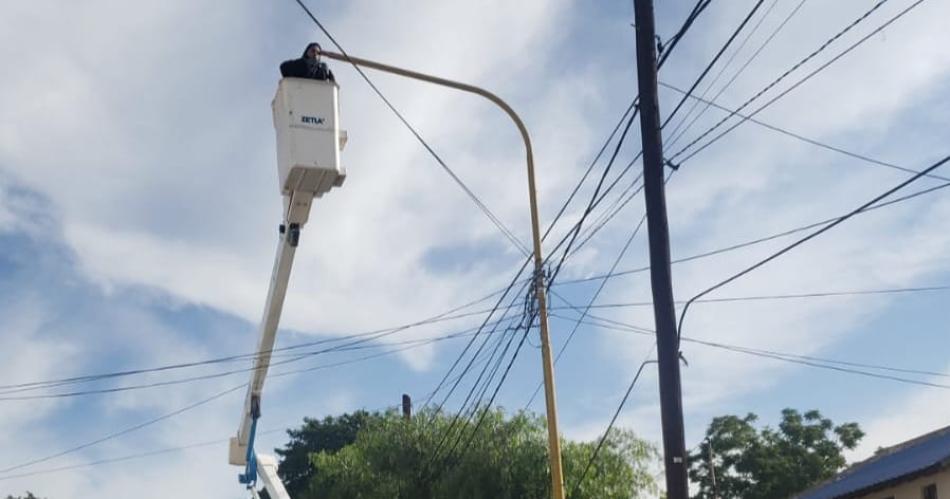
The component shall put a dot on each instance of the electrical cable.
(593, 202)
(129, 457)
(613, 420)
(722, 71)
(125, 431)
(345, 348)
(472, 341)
(494, 395)
(813, 235)
(468, 398)
(164, 417)
(816, 362)
(759, 240)
(713, 62)
(803, 138)
(444, 316)
(590, 168)
(796, 84)
(790, 296)
(677, 136)
(610, 212)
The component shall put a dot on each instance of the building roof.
(890, 466)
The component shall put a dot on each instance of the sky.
(139, 209)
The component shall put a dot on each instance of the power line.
(129, 457)
(603, 438)
(603, 148)
(416, 343)
(759, 240)
(817, 362)
(373, 334)
(796, 84)
(722, 71)
(572, 233)
(803, 138)
(594, 200)
(478, 202)
(698, 9)
(472, 341)
(813, 235)
(677, 136)
(125, 431)
(713, 61)
(788, 356)
(183, 410)
(610, 212)
(476, 406)
(790, 296)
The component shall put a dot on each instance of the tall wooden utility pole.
(671, 402)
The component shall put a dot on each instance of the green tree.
(327, 435)
(429, 458)
(29, 495)
(768, 463)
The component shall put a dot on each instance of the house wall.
(912, 489)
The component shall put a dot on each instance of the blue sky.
(139, 205)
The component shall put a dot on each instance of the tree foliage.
(29, 495)
(430, 458)
(769, 463)
(327, 435)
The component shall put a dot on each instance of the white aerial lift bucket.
(309, 139)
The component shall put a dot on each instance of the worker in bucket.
(308, 66)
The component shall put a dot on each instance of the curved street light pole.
(554, 445)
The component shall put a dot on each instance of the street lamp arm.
(445, 83)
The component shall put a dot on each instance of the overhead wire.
(759, 240)
(675, 137)
(803, 138)
(184, 409)
(713, 62)
(798, 83)
(414, 343)
(807, 238)
(124, 431)
(373, 334)
(788, 296)
(810, 361)
(726, 65)
(613, 420)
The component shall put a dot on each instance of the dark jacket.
(304, 68)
